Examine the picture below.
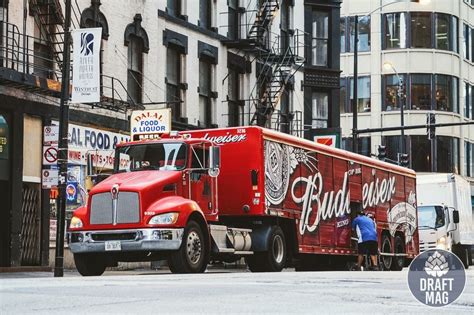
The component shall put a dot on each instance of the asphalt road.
(218, 292)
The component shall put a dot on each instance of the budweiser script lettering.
(228, 138)
(331, 205)
(335, 204)
(377, 192)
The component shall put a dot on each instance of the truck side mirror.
(455, 216)
(214, 161)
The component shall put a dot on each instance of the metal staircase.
(264, 16)
(272, 81)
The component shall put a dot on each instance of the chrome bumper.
(130, 240)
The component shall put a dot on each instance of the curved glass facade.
(420, 30)
(421, 92)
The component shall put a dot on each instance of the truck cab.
(437, 226)
(143, 211)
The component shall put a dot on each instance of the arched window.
(136, 39)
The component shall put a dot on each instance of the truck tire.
(89, 264)
(272, 260)
(463, 254)
(386, 261)
(192, 256)
(399, 261)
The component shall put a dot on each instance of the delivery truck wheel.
(191, 256)
(399, 261)
(386, 260)
(463, 254)
(272, 260)
(89, 264)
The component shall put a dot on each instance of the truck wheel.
(272, 260)
(463, 255)
(387, 261)
(192, 256)
(89, 264)
(399, 261)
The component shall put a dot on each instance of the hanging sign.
(50, 154)
(49, 178)
(86, 65)
(50, 134)
(149, 123)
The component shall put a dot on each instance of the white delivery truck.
(445, 214)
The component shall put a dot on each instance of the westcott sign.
(86, 63)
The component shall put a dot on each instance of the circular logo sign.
(436, 277)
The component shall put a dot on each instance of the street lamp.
(389, 67)
(356, 78)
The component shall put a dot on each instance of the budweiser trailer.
(222, 194)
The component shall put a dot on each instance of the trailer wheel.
(89, 264)
(272, 260)
(386, 260)
(191, 256)
(399, 261)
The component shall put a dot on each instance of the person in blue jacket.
(367, 239)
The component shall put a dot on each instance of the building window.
(467, 42)
(363, 94)
(420, 153)
(421, 91)
(342, 34)
(454, 40)
(135, 69)
(343, 103)
(320, 109)
(395, 29)
(421, 30)
(236, 109)
(468, 100)
(446, 95)
(443, 31)
(363, 144)
(447, 154)
(173, 80)
(173, 7)
(285, 24)
(468, 159)
(205, 84)
(233, 20)
(390, 92)
(320, 39)
(364, 33)
(205, 13)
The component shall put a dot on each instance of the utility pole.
(63, 145)
(355, 144)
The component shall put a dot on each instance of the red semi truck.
(223, 194)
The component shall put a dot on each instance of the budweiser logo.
(328, 205)
(377, 192)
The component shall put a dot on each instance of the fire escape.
(278, 58)
(35, 62)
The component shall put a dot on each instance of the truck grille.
(101, 237)
(128, 208)
(427, 246)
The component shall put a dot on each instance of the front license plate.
(113, 245)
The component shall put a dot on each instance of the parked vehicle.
(445, 217)
(223, 194)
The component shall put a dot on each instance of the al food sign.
(150, 123)
(86, 65)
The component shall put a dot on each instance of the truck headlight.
(75, 223)
(166, 218)
(441, 243)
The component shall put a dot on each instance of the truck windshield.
(430, 217)
(154, 156)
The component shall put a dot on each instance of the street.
(217, 292)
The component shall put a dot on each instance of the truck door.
(202, 185)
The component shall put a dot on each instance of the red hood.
(137, 181)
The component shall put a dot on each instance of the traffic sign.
(50, 155)
(49, 178)
(50, 134)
